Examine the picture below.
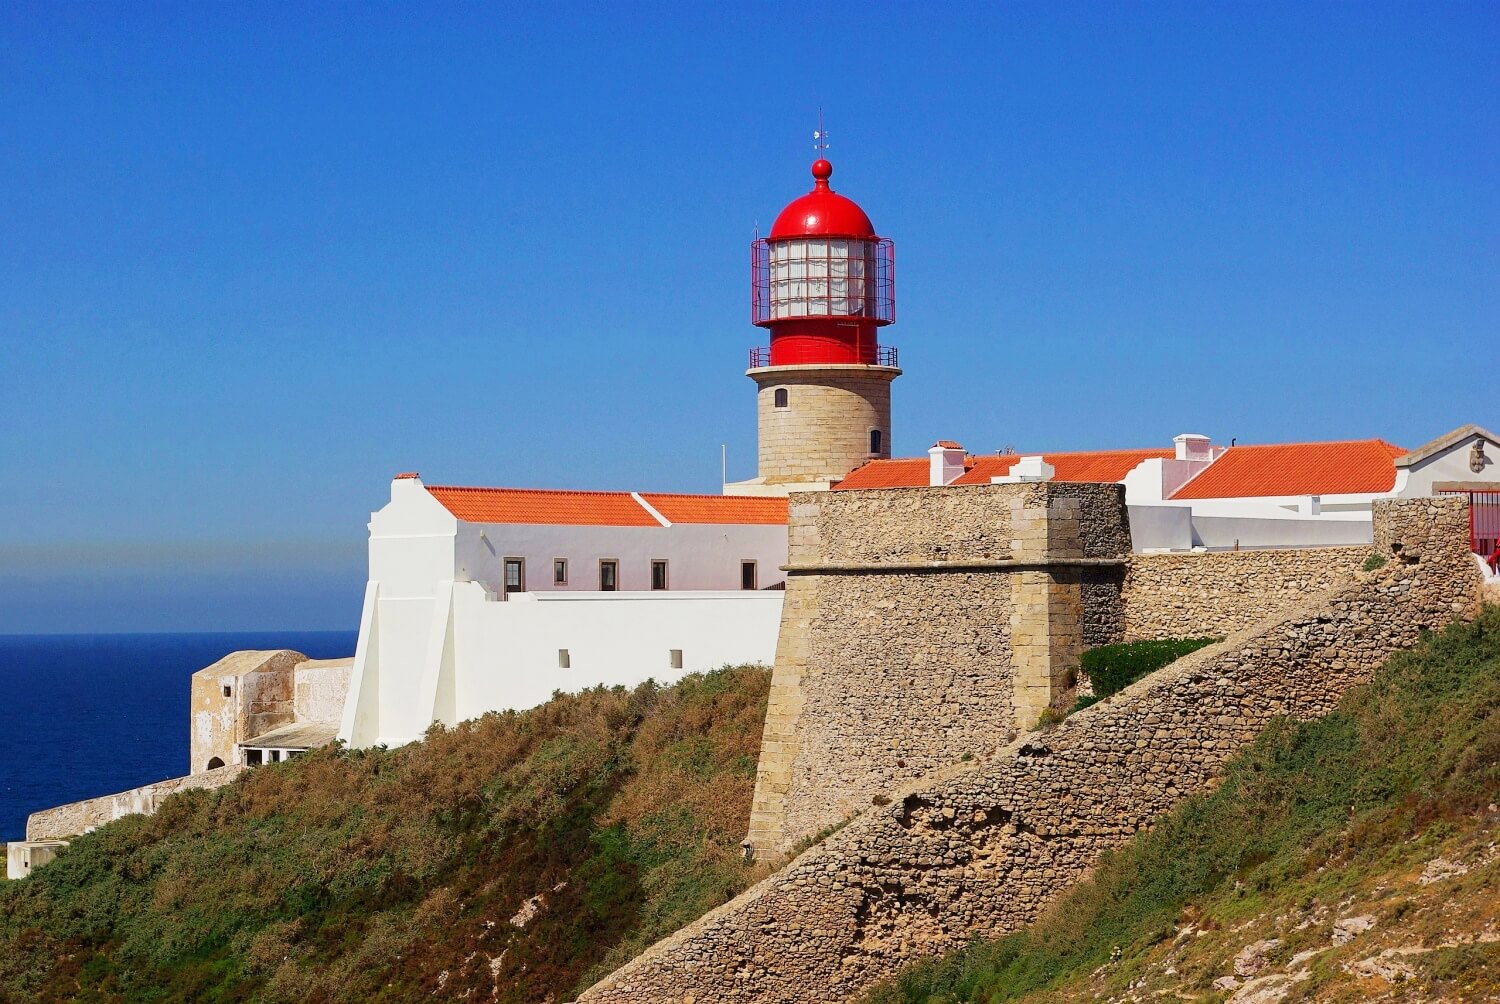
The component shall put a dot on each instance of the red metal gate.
(1484, 522)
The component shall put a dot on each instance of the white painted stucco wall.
(1451, 465)
(464, 653)
(439, 642)
(1246, 524)
(698, 555)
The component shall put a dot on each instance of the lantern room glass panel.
(821, 277)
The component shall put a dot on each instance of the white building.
(488, 599)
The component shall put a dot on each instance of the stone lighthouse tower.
(823, 283)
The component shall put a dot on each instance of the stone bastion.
(979, 846)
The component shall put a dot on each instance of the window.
(747, 575)
(559, 571)
(659, 573)
(515, 575)
(875, 438)
(215, 763)
(609, 575)
(228, 690)
(674, 657)
(781, 397)
(564, 660)
(254, 758)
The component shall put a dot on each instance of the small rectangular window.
(747, 575)
(875, 441)
(781, 397)
(674, 656)
(227, 690)
(515, 575)
(559, 571)
(253, 758)
(564, 660)
(658, 574)
(609, 575)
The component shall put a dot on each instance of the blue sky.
(256, 258)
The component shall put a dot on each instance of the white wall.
(1227, 532)
(1161, 528)
(476, 654)
(698, 555)
(1154, 480)
(438, 642)
(1450, 465)
(1246, 524)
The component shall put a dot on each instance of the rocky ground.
(1423, 924)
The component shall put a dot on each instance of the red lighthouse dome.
(822, 212)
(823, 282)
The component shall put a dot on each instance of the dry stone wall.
(1221, 592)
(919, 626)
(979, 849)
(70, 820)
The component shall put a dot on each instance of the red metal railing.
(885, 355)
(1484, 523)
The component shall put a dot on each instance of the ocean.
(86, 715)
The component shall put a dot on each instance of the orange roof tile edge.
(542, 506)
(726, 509)
(565, 507)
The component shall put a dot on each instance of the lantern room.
(823, 283)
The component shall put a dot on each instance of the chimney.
(945, 463)
(1191, 446)
(1025, 470)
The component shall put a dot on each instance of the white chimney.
(945, 463)
(1191, 446)
(1027, 469)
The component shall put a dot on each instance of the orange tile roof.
(718, 508)
(902, 473)
(526, 505)
(1101, 466)
(1349, 467)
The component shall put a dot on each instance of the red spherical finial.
(822, 212)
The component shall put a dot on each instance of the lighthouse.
(823, 285)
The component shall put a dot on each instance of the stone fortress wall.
(66, 821)
(1190, 595)
(920, 626)
(979, 848)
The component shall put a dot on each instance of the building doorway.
(515, 575)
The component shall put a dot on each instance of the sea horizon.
(94, 713)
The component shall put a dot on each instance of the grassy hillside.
(1351, 858)
(393, 875)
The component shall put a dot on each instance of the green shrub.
(1374, 561)
(1112, 668)
(382, 875)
